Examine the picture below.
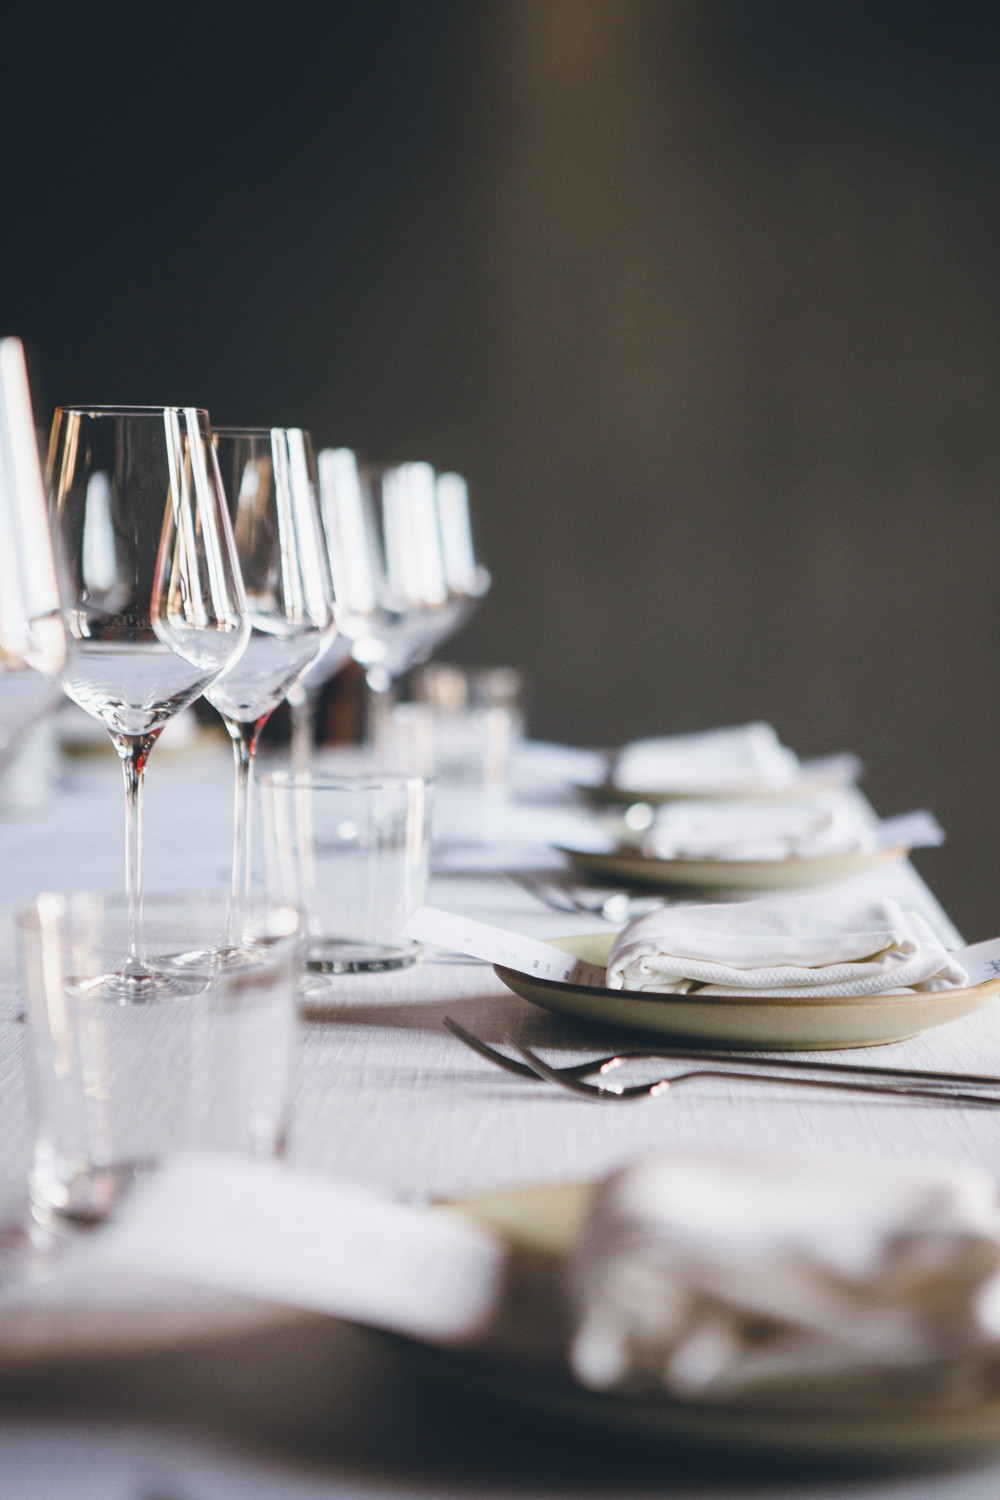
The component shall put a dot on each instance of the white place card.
(496, 946)
(272, 1231)
(528, 956)
(981, 961)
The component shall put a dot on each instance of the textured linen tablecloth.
(384, 1094)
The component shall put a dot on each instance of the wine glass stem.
(303, 707)
(133, 751)
(380, 704)
(244, 737)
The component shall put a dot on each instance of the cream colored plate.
(750, 1022)
(807, 786)
(547, 1220)
(631, 868)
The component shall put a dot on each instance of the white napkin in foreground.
(817, 945)
(790, 1283)
(761, 830)
(745, 759)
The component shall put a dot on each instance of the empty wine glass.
(353, 571)
(374, 616)
(269, 476)
(32, 629)
(387, 562)
(155, 600)
(468, 581)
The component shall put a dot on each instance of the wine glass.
(269, 475)
(155, 600)
(32, 629)
(377, 612)
(352, 572)
(468, 581)
(387, 562)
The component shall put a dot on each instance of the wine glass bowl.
(155, 599)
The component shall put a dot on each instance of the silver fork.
(921, 1082)
(597, 1094)
(560, 895)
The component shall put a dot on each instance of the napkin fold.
(761, 830)
(744, 759)
(814, 946)
(760, 1282)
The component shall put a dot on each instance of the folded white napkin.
(746, 759)
(789, 1283)
(729, 1279)
(761, 830)
(809, 946)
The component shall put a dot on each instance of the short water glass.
(205, 1063)
(353, 854)
(468, 750)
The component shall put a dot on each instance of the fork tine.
(578, 1070)
(542, 890)
(485, 1050)
(589, 1090)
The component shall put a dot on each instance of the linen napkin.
(785, 946)
(839, 823)
(744, 759)
(761, 830)
(789, 1283)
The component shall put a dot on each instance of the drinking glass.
(352, 853)
(32, 629)
(205, 1066)
(155, 600)
(269, 478)
(467, 750)
(456, 690)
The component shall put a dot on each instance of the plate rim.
(659, 868)
(795, 1002)
(808, 1433)
(607, 792)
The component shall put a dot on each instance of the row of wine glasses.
(202, 563)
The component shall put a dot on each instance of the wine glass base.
(64, 1205)
(354, 956)
(141, 987)
(213, 961)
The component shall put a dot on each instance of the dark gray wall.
(703, 298)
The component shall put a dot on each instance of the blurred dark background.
(701, 296)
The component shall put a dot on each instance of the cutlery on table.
(560, 894)
(857, 1077)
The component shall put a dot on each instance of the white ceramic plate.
(627, 866)
(749, 1021)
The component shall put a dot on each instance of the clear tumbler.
(353, 854)
(205, 1063)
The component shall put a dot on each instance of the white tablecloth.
(385, 1094)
